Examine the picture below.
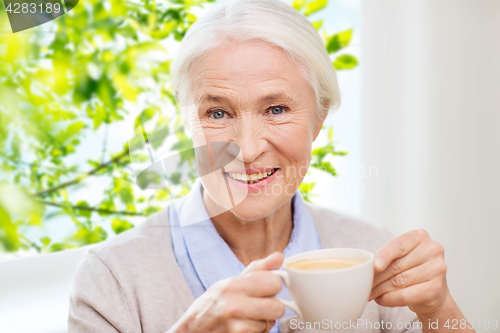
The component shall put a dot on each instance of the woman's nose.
(250, 137)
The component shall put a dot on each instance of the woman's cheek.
(294, 146)
(294, 139)
(203, 135)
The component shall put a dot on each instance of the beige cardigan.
(131, 283)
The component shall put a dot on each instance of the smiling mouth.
(251, 178)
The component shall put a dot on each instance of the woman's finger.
(246, 325)
(272, 261)
(269, 324)
(410, 277)
(260, 284)
(423, 293)
(398, 247)
(257, 308)
(422, 253)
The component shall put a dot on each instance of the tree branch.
(98, 210)
(80, 178)
(27, 240)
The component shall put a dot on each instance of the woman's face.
(251, 95)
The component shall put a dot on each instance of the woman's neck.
(256, 239)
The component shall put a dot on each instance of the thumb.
(272, 261)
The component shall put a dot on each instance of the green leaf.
(317, 24)
(306, 189)
(160, 132)
(89, 235)
(298, 4)
(319, 153)
(151, 210)
(138, 157)
(149, 178)
(70, 131)
(338, 41)
(126, 194)
(165, 30)
(84, 88)
(45, 240)
(56, 247)
(125, 87)
(185, 147)
(16, 146)
(106, 93)
(98, 114)
(17, 204)
(345, 61)
(326, 167)
(9, 236)
(174, 178)
(162, 194)
(120, 226)
(82, 212)
(145, 115)
(107, 204)
(191, 18)
(314, 6)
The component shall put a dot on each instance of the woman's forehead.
(245, 59)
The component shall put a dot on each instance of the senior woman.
(253, 73)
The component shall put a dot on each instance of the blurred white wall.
(34, 292)
(431, 125)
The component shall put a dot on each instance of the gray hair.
(270, 21)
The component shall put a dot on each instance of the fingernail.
(379, 262)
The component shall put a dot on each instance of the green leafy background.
(105, 63)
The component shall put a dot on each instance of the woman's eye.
(217, 114)
(277, 109)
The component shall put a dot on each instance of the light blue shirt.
(204, 257)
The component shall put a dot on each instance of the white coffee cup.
(337, 295)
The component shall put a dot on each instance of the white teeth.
(251, 178)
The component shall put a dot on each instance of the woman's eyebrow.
(267, 98)
(277, 96)
(212, 98)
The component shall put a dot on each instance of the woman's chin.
(249, 215)
(254, 210)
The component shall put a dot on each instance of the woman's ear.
(320, 119)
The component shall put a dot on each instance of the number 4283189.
(473, 324)
(18, 8)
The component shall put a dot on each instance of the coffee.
(324, 263)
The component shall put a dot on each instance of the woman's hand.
(410, 271)
(238, 304)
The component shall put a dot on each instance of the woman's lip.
(254, 187)
(250, 171)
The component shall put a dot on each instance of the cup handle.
(286, 280)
